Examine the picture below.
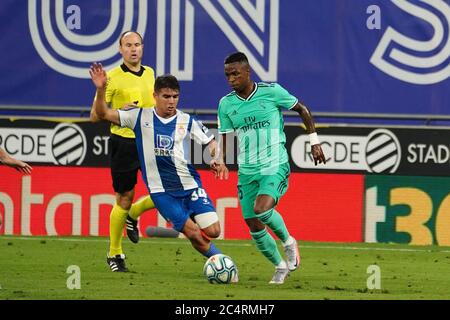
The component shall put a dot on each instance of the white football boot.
(281, 272)
(292, 254)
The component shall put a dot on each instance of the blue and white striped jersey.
(164, 148)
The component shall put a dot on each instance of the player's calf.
(193, 233)
(199, 242)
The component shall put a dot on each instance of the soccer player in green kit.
(254, 111)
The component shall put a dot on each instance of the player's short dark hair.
(129, 31)
(236, 57)
(166, 81)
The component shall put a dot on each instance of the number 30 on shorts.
(199, 193)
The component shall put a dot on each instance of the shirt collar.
(165, 120)
(251, 94)
(126, 69)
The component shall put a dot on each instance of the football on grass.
(220, 269)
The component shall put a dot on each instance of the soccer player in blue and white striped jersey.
(163, 135)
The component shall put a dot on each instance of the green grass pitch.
(170, 269)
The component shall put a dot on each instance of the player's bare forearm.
(217, 163)
(100, 109)
(20, 166)
(306, 116)
(93, 115)
(3, 154)
(223, 146)
(4, 157)
(213, 148)
(308, 120)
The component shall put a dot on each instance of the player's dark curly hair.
(166, 81)
(236, 57)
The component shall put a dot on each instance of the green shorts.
(251, 186)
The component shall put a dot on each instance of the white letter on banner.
(27, 200)
(374, 21)
(374, 214)
(8, 204)
(74, 21)
(53, 205)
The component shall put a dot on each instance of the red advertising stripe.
(57, 192)
(316, 207)
(73, 200)
(325, 207)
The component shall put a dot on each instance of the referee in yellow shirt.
(129, 83)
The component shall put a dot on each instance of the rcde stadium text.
(232, 309)
(424, 153)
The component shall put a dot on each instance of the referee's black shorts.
(124, 163)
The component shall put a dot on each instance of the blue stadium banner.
(375, 56)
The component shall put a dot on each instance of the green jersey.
(258, 122)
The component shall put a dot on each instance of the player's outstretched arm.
(100, 109)
(20, 166)
(217, 163)
(93, 115)
(308, 120)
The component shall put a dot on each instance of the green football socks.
(275, 222)
(267, 245)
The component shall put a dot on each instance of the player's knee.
(209, 223)
(213, 231)
(263, 203)
(261, 208)
(124, 204)
(124, 200)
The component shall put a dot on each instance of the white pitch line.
(376, 249)
(160, 241)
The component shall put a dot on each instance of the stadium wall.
(379, 184)
(364, 56)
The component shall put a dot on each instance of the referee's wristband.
(313, 138)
